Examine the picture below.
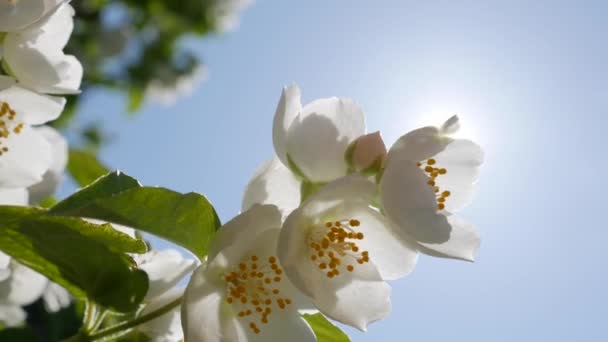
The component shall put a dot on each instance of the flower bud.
(367, 153)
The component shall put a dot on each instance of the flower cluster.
(35, 73)
(328, 221)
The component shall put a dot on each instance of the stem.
(90, 316)
(122, 328)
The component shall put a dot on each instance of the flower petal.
(17, 15)
(205, 314)
(274, 184)
(419, 144)
(410, 202)
(354, 188)
(319, 136)
(27, 159)
(23, 287)
(461, 159)
(229, 239)
(32, 108)
(56, 297)
(5, 270)
(36, 59)
(11, 315)
(289, 326)
(463, 242)
(54, 175)
(393, 257)
(16, 196)
(166, 327)
(165, 269)
(288, 108)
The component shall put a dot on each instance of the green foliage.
(188, 219)
(89, 260)
(324, 329)
(84, 167)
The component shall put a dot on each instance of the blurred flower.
(428, 177)
(225, 13)
(241, 293)
(312, 140)
(338, 250)
(171, 86)
(16, 15)
(35, 55)
(25, 155)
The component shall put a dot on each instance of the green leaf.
(87, 259)
(324, 329)
(188, 220)
(136, 99)
(84, 167)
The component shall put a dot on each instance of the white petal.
(16, 196)
(54, 175)
(31, 107)
(23, 287)
(5, 270)
(319, 136)
(419, 145)
(167, 327)
(461, 159)
(393, 257)
(6, 81)
(17, 15)
(11, 315)
(410, 202)
(288, 326)
(274, 184)
(463, 242)
(27, 159)
(56, 297)
(288, 108)
(36, 59)
(206, 317)
(165, 269)
(253, 221)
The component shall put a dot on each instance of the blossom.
(35, 57)
(312, 140)
(338, 250)
(429, 176)
(25, 155)
(225, 13)
(19, 286)
(171, 85)
(17, 15)
(241, 292)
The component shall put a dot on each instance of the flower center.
(253, 290)
(433, 172)
(8, 125)
(333, 247)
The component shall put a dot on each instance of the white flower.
(59, 159)
(25, 155)
(165, 270)
(241, 293)
(169, 87)
(11, 315)
(312, 140)
(55, 297)
(23, 287)
(429, 176)
(367, 153)
(16, 15)
(35, 55)
(226, 13)
(338, 251)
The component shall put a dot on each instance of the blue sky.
(528, 79)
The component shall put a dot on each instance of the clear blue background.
(529, 80)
